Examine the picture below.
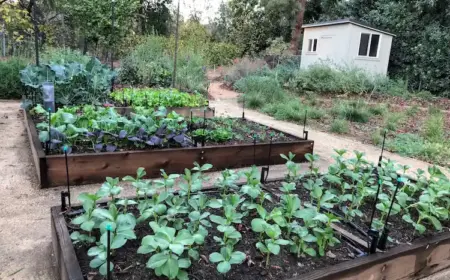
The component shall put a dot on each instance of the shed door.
(327, 47)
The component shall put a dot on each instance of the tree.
(155, 17)
(298, 27)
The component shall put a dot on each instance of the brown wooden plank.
(37, 152)
(66, 259)
(414, 261)
(351, 236)
(93, 168)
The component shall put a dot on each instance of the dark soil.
(130, 265)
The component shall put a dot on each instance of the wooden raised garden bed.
(94, 167)
(420, 259)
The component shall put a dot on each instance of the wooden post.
(174, 77)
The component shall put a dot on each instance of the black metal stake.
(305, 132)
(373, 233)
(108, 252)
(67, 176)
(380, 159)
(47, 146)
(204, 128)
(384, 236)
(265, 170)
(254, 149)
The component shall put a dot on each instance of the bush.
(151, 65)
(243, 68)
(221, 53)
(63, 55)
(434, 128)
(378, 110)
(267, 88)
(354, 111)
(339, 126)
(393, 120)
(10, 85)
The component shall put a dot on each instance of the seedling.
(293, 168)
(273, 243)
(300, 241)
(226, 258)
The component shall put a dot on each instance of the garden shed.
(347, 43)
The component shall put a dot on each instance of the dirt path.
(225, 102)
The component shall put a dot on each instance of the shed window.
(312, 45)
(369, 44)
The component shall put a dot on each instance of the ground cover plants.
(87, 129)
(363, 109)
(153, 98)
(177, 229)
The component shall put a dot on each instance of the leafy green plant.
(226, 258)
(172, 245)
(339, 126)
(11, 87)
(272, 244)
(293, 168)
(302, 237)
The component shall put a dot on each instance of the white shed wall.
(339, 44)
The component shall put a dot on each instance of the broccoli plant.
(273, 243)
(226, 258)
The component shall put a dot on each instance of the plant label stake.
(108, 252)
(265, 170)
(380, 159)
(384, 236)
(373, 233)
(305, 132)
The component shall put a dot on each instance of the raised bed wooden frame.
(94, 168)
(404, 262)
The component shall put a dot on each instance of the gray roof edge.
(347, 21)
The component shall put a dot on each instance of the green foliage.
(354, 111)
(243, 68)
(221, 53)
(393, 120)
(153, 98)
(434, 128)
(75, 83)
(151, 64)
(226, 258)
(63, 56)
(260, 91)
(10, 86)
(339, 126)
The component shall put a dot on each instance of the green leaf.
(223, 267)
(94, 251)
(102, 214)
(176, 248)
(184, 237)
(88, 225)
(79, 220)
(258, 225)
(216, 257)
(262, 247)
(237, 257)
(184, 263)
(321, 217)
(420, 228)
(310, 251)
(96, 262)
(282, 242)
(273, 248)
(218, 220)
(157, 260)
(170, 268)
(437, 225)
(407, 218)
(118, 242)
(102, 269)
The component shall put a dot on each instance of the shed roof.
(345, 21)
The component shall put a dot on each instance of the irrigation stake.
(108, 252)
(384, 236)
(380, 159)
(47, 145)
(305, 132)
(67, 176)
(265, 170)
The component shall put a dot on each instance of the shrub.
(393, 120)
(378, 110)
(243, 68)
(377, 137)
(221, 53)
(412, 111)
(355, 111)
(268, 88)
(10, 85)
(339, 126)
(434, 128)
(63, 55)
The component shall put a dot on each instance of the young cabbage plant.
(273, 243)
(300, 241)
(226, 258)
(171, 246)
(293, 168)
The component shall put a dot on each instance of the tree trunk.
(298, 27)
